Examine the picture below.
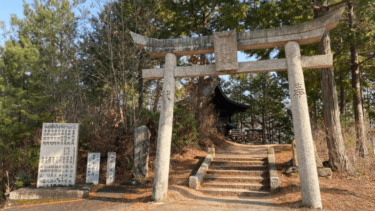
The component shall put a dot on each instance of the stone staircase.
(231, 175)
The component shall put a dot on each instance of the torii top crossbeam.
(306, 33)
(226, 44)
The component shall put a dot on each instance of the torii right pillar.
(302, 129)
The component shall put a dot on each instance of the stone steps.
(239, 159)
(233, 167)
(232, 173)
(246, 186)
(238, 179)
(234, 192)
(238, 163)
(237, 176)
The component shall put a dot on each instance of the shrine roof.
(226, 106)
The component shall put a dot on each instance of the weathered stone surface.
(93, 167)
(302, 129)
(319, 162)
(58, 155)
(308, 62)
(141, 151)
(111, 168)
(325, 172)
(225, 49)
(195, 180)
(76, 192)
(294, 148)
(163, 151)
(274, 179)
(306, 33)
(211, 150)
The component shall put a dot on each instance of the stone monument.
(111, 168)
(141, 150)
(93, 168)
(58, 155)
(289, 37)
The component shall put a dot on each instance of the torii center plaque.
(225, 46)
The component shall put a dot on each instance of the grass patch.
(361, 171)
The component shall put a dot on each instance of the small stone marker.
(225, 48)
(141, 150)
(58, 155)
(93, 166)
(111, 168)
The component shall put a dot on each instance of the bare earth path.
(180, 197)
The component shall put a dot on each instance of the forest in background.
(63, 64)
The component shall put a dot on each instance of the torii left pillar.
(163, 150)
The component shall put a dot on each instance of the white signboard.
(58, 155)
(111, 164)
(93, 166)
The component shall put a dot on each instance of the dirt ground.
(341, 192)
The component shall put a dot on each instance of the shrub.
(22, 180)
(184, 127)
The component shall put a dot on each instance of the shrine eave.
(306, 33)
(226, 105)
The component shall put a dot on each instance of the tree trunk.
(361, 148)
(157, 96)
(140, 92)
(201, 79)
(338, 159)
(315, 116)
(342, 97)
(199, 101)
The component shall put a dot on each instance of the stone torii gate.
(225, 46)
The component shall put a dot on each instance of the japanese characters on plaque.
(111, 166)
(58, 155)
(93, 166)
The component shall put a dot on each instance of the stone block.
(274, 179)
(37, 195)
(225, 48)
(325, 172)
(195, 180)
(211, 150)
(141, 151)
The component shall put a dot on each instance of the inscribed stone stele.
(111, 168)
(58, 155)
(93, 167)
(141, 151)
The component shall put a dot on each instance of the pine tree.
(36, 79)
